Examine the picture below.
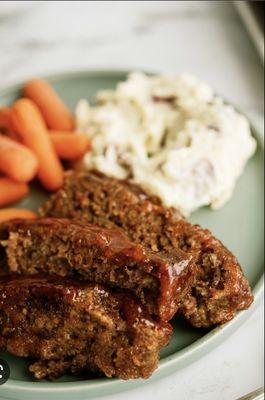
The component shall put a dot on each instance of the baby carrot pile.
(36, 132)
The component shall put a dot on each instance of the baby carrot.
(4, 119)
(54, 111)
(17, 161)
(11, 191)
(12, 213)
(5, 122)
(70, 147)
(30, 126)
(6, 127)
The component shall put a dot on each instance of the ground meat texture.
(69, 326)
(67, 248)
(220, 289)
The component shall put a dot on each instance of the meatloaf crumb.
(220, 288)
(70, 326)
(65, 247)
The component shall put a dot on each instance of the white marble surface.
(205, 38)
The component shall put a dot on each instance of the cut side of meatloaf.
(220, 288)
(68, 248)
(69, 326)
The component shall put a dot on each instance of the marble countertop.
(206, 38)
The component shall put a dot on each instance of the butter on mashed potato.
(171, 135)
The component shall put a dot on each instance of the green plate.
(239, 225)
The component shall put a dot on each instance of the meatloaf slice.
(220, 289)
(71, 326)
(65, 247)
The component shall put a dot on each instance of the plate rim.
(167, 365)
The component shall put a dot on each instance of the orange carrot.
(70, 147)
(6, 126)
(5, 122)
(4, 118)
(54, 111)
(12, 213)
(11, 191)
(16, 160)
(30, 126)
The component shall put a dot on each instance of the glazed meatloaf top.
(65, 325)
(220, 288)
(65, 247)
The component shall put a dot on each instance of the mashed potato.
(171, 135)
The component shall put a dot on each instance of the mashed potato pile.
(171, 135)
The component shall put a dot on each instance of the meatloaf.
(220, 288)
(69, 326)
(65, 247)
